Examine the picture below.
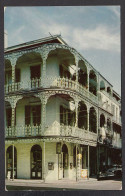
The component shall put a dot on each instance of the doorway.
(36, 162)
(9, 156)
(65, 160)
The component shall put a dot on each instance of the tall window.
(64, 72)
(35, 72)
(67, 117)
(17, 75)
(9, 117)
(8, 77)
(32, 115)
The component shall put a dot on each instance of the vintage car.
(112, 171)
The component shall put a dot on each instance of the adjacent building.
(61, 115)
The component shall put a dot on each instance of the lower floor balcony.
(53, 130)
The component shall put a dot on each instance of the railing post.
(88, 78)
(44, 161)
(88, 162)
(88, 120)
(76, 164)
(13, 77)
(77, 62)
(76, 108)
(13, 161)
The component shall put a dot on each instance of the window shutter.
(61, 114)
(38, 109)
(17, 75)
(61, 70)
(27, 115)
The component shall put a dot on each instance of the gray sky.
(94, 31)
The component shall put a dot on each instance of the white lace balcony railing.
(36, 83)
(49, 82)
(12, 87)
(63, 130)
(23, 131)
(54, 130)
(70, 84)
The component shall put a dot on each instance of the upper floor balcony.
(62, 67)
(55, 82)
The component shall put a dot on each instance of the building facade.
(61, 115)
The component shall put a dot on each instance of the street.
(64, 185)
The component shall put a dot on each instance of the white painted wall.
(24, 164)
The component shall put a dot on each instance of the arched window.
(93, 82)
(109, 124)
(82, 116)
(92, 120)
(102, 120)
(109, 90)
(102, 85)
(36, 162)
(65, 156)
(82, 73)
(9, 156)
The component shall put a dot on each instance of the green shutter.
(61, 71)
(61, 114)
(27, 115)
(17, 75)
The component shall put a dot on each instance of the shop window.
(36, 162)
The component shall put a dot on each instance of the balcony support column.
(88, 162)
(76, 109)
(13, 74)
(44, 55)
(44, 161)
(13, 120)
(43, 97)
(13, 162)
(88, 120)
(88, 71)
(13, 101)
(43, 117)
(13, 64)
(76, 163)
(77, 62)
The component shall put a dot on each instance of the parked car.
(112, 171)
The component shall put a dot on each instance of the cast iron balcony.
(52, 130)
(52, 82)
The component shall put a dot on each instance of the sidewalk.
(40, 183)
(65, 184)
